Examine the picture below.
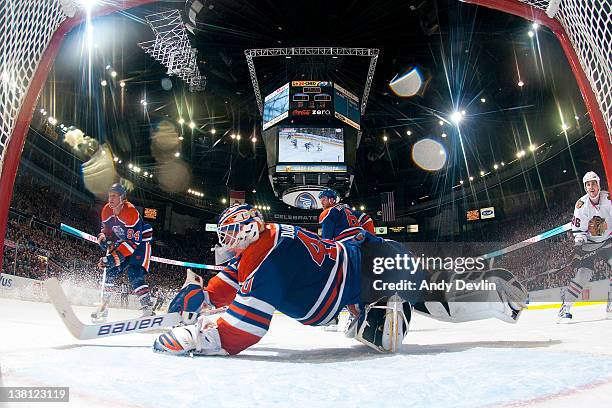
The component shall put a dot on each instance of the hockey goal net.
(31, 32)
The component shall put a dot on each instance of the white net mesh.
(588, 24)
(26, 27)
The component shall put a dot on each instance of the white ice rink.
(535, 363)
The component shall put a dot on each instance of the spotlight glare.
(564, 127)
(520, 83)
(253, 139)
(181, 138)
(460, 181)
(192, 125)
(122, 84)
(444, 135)
(233, 135)
(223, 200)
(456, 117)
(535, 26)
(503, 164)
(114, 74)
(362, 207)
(177, 154)
(471, 178)
(441, 122)
(532, 148)
(495, 166)
(530, 34)
(482, 173)
(103, 82)
(483, 100)
(213, 131)
(238, 137)
(409, 132)
(181, 121)
(385, 138)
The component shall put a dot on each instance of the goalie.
(286, 268)
(591, 227)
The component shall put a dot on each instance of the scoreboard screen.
(276, 106)
(150, 213)
(311, 98)
(346, 107)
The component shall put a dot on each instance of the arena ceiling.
(473, 59)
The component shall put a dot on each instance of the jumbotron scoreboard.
(311, 130)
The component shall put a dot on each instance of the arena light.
(254, 191)
(115, 159)
(520, 154)
(146, 173)
(456, 117)
(409, 132)
(103, 82)
(565, 127)
(482, 173)
(177, 154)
(385, 138)
(503, 164)
(441, 122)
(233, 136)
(362, 207)
(181, 138)
(535, 26)
(224, 200)
(461, 182)
(122, 84)
(471, 178)
(354, 208)
(130, 166)
(254, 139)
(495, 166)
(213, 131)
(520, 84)
(531, 34)
(532, 148)
(483, 100)
(113, 74)
(238, 137)
(444, 135)
(192, 125)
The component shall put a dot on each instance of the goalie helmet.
(590, 176)
(238, 226)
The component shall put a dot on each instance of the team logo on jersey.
(579, 204)
(119, 232)
(305, 201)
(597, 226)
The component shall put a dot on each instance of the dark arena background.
(462, 128)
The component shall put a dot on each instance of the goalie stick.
(84, 331)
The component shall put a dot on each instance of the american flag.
(388, 206)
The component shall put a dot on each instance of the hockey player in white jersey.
(592, 228)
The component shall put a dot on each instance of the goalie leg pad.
(383, 324)
(201, 338)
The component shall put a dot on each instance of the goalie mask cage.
(31, 33)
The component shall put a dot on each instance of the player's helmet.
(238, 226)
(590, 176)
(329, 193)
(119, 189)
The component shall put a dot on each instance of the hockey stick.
(84, 331)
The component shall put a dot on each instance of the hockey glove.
(191, 299)
(111, 260)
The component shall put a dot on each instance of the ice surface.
(479, 364)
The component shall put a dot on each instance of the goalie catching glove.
(191, 299)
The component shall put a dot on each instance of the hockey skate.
(564, 315)
(100, 315)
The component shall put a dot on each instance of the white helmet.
(238, 226)
(590, 176)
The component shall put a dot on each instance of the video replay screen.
(310, 145)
